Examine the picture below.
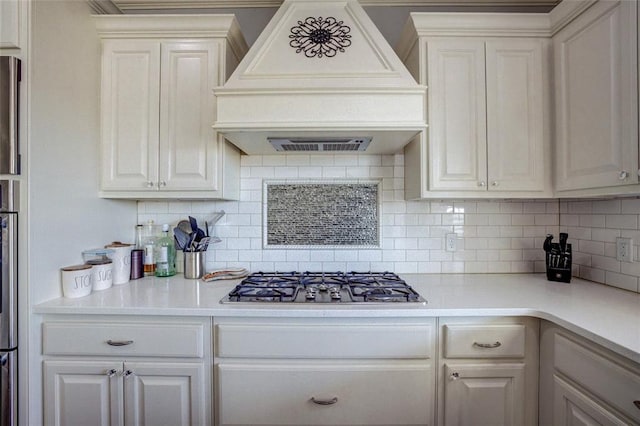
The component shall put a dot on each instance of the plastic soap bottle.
(165, 254)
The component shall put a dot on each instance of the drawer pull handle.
(487, 345)
(119, 342)
(112, 373)
(324, 401)
(637, 404)
(128, 373)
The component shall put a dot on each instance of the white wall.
(65, 215)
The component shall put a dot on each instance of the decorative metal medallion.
(318, 37)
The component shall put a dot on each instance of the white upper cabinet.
(488, 106)
(457, 114)
(10, 18)
(516, 114)
(596, 95)
(158, 107)
(130, 119)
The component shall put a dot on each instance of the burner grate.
(324, 287)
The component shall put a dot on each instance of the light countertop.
(606, 315)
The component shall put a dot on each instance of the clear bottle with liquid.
(149, 247)
(165, 254)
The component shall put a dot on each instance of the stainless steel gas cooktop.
(324, 287)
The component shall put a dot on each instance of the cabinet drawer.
(610, 381)
(284, 393)
(324, 341)
(484, 341)
(118, 339)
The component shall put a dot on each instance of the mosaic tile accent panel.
(322, 214)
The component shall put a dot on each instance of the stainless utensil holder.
(194, 264)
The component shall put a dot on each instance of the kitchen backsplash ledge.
(493, 236)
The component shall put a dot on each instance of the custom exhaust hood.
(320, 77)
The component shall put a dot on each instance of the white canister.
(102, 272)
(121, 258)
(77, 280)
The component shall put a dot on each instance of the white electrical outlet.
(624, 249)
(450, 242)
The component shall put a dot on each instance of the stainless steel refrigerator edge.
(10, 74)
(9, 191)
(9, 120)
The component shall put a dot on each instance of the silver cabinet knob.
(150, 184)
(128, 373)
(454, 376)
(482, 183)
(495, 183)
(162, 183)
(324, 401)
(623, 175)
(112, 373)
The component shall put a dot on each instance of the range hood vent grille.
(320, 145)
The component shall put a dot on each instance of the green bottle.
(165, 254)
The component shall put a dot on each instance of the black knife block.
(559, 263)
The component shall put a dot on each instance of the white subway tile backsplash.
(630, 206)
(600, 223)
(606, 207)
(626, 282)
(605, 234)
(297, 160)
(621, 221)
(493, 235)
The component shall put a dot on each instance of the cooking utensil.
(184, 226)
(194, 229)
(182, 238)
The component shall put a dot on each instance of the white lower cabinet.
(309, 372)
(112, 379)
(129, 393)
(324, 393)
(488, 371)
(573, 407)
(489, 394)
(582, 383)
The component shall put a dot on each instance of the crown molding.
(140, 5)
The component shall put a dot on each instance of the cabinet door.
(290, 393)
(164, 394)
(188, 144)
(596, 98)
(9, 24)
(515, 112)
(82, 393)
(130, 108)
(457, 115)
(484, 394)
(574, 408)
